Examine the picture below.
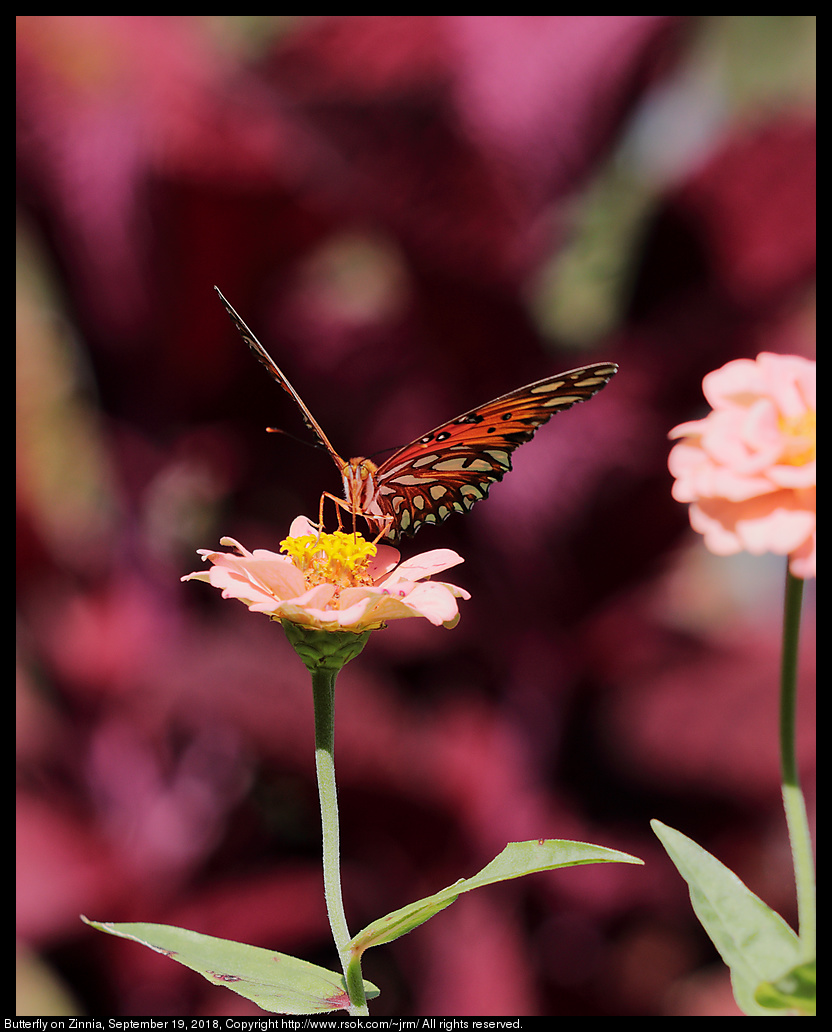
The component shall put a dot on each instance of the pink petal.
(316, 598)
(790, 381)
(735, 384)
(796, 477)
(302, 526)
(383, 562)
(312, 610)
(279, 576)
(764, 524)
(235, 585)
(433, 601)
(802, 560)
(424, 565)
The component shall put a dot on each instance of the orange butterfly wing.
(453, 466)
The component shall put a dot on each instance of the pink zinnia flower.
(748, 467)
(335, 582)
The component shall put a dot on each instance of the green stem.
(323, 690)
(793, 800)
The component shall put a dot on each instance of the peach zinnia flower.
(335, 582)
(748, 467)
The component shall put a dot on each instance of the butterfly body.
(451, 468)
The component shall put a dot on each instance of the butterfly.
(453, 466)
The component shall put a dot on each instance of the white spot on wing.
(563, 400)
(409, 481)
(461, 464)
(424, 460)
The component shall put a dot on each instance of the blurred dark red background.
(414, 214)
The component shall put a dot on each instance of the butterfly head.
(360, 483)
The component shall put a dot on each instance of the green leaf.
(754, 941)
(796, 990)
(274, 981)
(516, 860)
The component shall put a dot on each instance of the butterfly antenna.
(266, 360)
(297, 440)
(381, 451)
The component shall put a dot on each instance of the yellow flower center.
(799, 434)
(340, 559)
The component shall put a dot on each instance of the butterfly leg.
(385, 526)
(372, 521)
(340, 504)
